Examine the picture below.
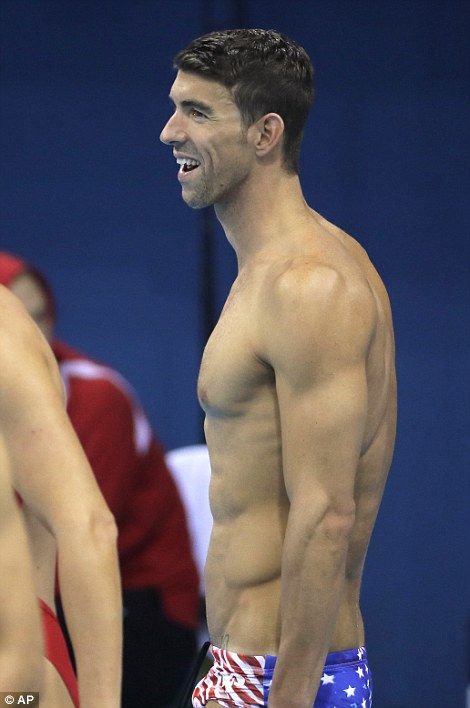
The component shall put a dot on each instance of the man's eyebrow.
(198, 105)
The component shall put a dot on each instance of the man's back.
(273, 322)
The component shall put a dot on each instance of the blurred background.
(90, 196)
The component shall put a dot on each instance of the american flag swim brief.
(237, 680)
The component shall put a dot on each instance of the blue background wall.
(90, 196)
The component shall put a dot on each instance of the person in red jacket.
(159, 577)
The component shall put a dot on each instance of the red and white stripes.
(234, 681)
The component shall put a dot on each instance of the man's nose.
(173, 132)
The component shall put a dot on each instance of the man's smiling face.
(209, 140)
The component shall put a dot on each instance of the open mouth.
(187, 164)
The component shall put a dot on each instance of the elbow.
(96, 527)
(103, 527)
(338, 522)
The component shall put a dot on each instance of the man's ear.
(269, 132)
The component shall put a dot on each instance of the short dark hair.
(265, 71)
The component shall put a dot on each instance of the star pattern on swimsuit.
(349, 686)
(327, 678)
(349, 691)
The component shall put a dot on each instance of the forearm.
(312, 585)
(91, 597)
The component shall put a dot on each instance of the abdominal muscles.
(250, 506)
(243, 585)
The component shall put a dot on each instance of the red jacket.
(153, 544)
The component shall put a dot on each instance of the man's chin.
(195, 201)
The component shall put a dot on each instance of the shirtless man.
(297, 382)
(21, 663)
(65, 516)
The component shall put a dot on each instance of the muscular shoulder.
(14, 321)
(20, 337)
(318, 312)
(26, 360)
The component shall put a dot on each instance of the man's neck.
(266, 209)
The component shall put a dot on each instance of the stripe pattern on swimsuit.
(234, 680)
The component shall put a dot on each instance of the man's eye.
(196, 114)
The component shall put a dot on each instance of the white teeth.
(187, 161)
